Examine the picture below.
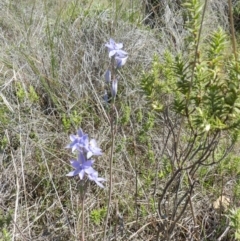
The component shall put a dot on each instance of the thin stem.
(192, 209)
(83, 189)
(170, 230)
(168, 184)
(232, 29)
(82, 234)
(197, 47)
(110, 178)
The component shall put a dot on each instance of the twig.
(232, 29)
(139, 230)
(223, 234)
(192, 209)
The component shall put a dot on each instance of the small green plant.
(73, 119)
(5, 235)
(126, 112)
(196, 95)
(139, 116)
(33, 96)
(236, 190)
(148, 178)
(230, 165)
(3, 143)
(66, 122)
(143, 211)
(166, 168)
(143, 137)
(26, 94)
(234, 217)
(120, 145)
(5, 221)
(20, 92)
(76, 119)
(150, 155)
(98, 215)
(148, 125)
(5, 108)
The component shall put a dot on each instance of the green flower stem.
(83, 216)
(110, 179)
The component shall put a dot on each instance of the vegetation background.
(52, 65)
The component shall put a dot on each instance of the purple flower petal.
(94, 177)
(112, 53)
(81, 166)
(81, 174)
(78, 141)
(94, 148)
(75, 164)
(90, 170)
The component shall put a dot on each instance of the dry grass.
(52, 65)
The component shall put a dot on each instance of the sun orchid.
(81, 166)
(78, 140)
(81, 143)
(115, 48)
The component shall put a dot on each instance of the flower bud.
(114, 88)
(107, 76)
